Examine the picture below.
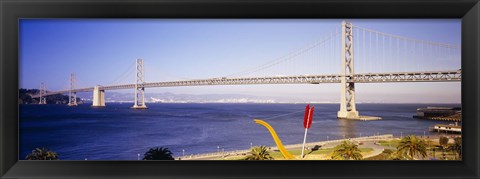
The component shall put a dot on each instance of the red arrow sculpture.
(307, 122)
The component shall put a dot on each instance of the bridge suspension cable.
(127, 74)
(163, 74)
(292, 61)
(378, 52)
(446, 45)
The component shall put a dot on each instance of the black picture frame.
(11, 11)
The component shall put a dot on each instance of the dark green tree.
(42, 154)
(411, 146)
(259, 153)
(158, 154)
(443, 141)
(347, 151)
(457, 146)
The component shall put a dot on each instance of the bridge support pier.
(72, 99)
(139, 102)
(98, 97)
(348, 109)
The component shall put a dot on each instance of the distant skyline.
(103, 52)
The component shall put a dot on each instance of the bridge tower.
(347, 89)
(139, 102)
(43, 91)
(72, 95)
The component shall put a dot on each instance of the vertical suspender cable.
(415, 60)
(364, 51)
(398, 53)
(370, 49)
(391, 52)
(383, 53)
(376, 50)
(404, 55)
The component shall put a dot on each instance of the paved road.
(377, 149)
(368, 142)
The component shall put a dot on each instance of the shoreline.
(210, 156)
(308, 145)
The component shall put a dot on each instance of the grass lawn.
(240, 157)
(382, 156)
(366, 151)
(438, 155)
(395, 142)
(389, 143)
(450, 155)
(278, 155)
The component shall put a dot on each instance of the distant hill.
(25, 98)
(182, 98)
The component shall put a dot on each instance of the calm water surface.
(117, 132)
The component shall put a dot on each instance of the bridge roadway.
(431, 76)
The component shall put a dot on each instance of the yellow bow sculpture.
(282, 149)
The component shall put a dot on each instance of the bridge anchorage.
(139, 102)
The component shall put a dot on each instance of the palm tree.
(411, 146)
(443, 141)
(430, 146)
(42, 154)
(259, 153)
(158, 154)
(397, 155)
(457, 146)
(347, 151)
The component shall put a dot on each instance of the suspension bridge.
(379, 58)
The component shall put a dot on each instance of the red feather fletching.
(305, 118)
(310, 119)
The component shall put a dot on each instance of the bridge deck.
(434, 76)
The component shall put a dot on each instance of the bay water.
(117, 132)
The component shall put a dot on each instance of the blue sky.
(104, 51)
